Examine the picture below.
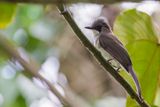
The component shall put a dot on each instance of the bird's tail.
(131, 71)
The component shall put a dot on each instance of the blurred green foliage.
(137, 32)
(32, 31)
(19, 102)
(7, 14)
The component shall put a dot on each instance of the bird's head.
(99, 24)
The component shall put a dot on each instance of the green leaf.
(135, 29)
(7, 12)
(19, 102)
(153, 106)
(28, 13)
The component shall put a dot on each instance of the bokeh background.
(41, 32)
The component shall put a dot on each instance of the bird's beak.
(88, 27)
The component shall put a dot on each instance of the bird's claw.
(118, 69)
(109, 60)
(141, 99)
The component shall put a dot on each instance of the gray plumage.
(114, 47)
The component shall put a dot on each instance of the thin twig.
(99, 57)
(70, 99)
(66, 1)
(12, 51)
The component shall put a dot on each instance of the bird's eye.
(98, 27)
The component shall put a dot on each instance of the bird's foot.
(109, 60)
(140, 97)
(118, 69)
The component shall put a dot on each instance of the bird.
(113, 46)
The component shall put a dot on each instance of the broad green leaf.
(7, 12)
(136, 31)
(153, 106)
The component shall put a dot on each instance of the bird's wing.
(115, 48)
(113, 37)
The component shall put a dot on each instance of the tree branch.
(67, 1)
(99, 57)
(11, 50)
(69, 100)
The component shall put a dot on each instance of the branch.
(11, 50)
(69, 100)
(67, 1)
(99, 57)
